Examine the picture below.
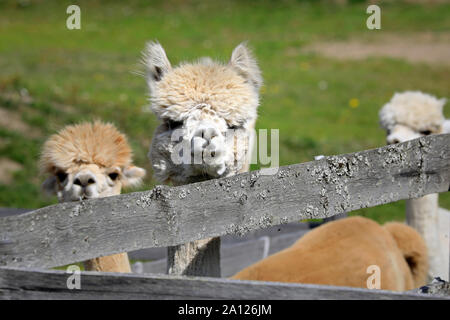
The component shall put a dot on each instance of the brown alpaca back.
(413, 248)
(337, 253)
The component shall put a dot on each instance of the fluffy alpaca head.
(412, 114)
(198, 103)
(88, 160)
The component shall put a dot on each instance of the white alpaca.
(407, 116)
(207, 111)
(202, 101)
(90, 160)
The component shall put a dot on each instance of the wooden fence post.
(196, 258)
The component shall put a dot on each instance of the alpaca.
(208, 109)
(407, 116)
(340, 252)
(86, 161)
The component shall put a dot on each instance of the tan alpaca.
(90, 160)
(207, 111)
(339, 253)
(409, 115)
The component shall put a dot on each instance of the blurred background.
(326, 75)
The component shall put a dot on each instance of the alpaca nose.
(393, 138)
(207, 139)
(203, 137)
(393, 141)
(206, 132)
(84, 179)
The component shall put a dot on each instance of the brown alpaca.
(90, 160)
(338, 253)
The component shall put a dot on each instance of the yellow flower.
(353, 103)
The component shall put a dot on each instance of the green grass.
(87, 74)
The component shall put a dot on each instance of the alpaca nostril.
(393, 141)
(198, 144)
(210, 133)
(83, 180)
(206, 133)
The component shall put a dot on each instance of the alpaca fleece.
(339, 253)
(86, 143)
(191, 85)
(414, 109)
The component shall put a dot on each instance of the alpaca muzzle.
(400, 134)
(208, 148)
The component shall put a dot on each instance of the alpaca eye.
(61, 175)
(235, 126)
(425, 132)
(113, 176)
(174, 124)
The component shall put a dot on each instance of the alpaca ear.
(155, 61)
(49, 185)
(245, 64)
(132, 176)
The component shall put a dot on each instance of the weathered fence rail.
(235, 257)
(167, 216)
(51, 284)
(277, 234)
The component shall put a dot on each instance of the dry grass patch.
(12, 121)
(7, 169)
(419, 48)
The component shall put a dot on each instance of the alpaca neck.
(422, 215)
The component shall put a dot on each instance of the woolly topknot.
(231, 90)
(414, 109)
(85, 143)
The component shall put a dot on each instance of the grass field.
(51, 76)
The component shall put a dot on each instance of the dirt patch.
(7, 169)
(12, 121)
(421, 48)
(3, 142)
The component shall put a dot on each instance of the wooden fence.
(166, 216)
